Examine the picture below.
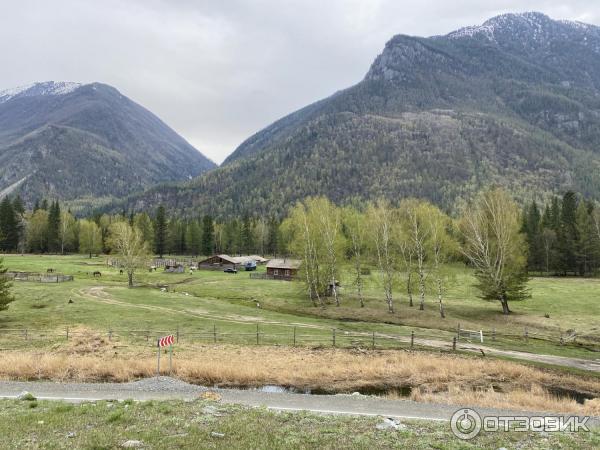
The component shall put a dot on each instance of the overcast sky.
(218, 71)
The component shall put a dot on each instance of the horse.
(97, 274)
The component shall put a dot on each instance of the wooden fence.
(39, 277)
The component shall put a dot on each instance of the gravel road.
(165, 388)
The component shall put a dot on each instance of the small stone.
(132, 444)
(217, 435)
(26, 396)
(389, 424)
(210, 395)
(209, 410)
(355, 393)
(71, 434)
(40, 422)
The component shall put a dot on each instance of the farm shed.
(219, 262)
(284, 269)
(259, 259)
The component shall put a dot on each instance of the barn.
(283, 269)
(216, 262)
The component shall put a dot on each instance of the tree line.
(563, 238)
(49, 228)
(409, 243)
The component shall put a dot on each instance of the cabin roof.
(284, 264)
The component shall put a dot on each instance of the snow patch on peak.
(39, 89)
(538, 24)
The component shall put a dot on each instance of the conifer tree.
(160, 229)
(53, 232)
(207, 244)
(5, 285)
(9, 226)
(567, 236)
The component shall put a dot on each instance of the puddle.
(403, 391)
(570, 394)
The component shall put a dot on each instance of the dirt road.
(165, 388)
(99, 294)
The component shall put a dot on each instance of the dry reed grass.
(438, 378)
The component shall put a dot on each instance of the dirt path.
(165, 388)
(98, 293)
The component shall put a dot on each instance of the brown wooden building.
(284, 269)
(219, 262)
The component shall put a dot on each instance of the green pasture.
(204, 301)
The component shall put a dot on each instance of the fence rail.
(255, 334)
(39, 277)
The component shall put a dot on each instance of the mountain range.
(86, 144)
(514, 102)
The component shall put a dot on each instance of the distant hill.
(86, 144)
(513, 102)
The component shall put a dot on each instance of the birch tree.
(329, 222)
(128, 242)
(441, 245)
(90, 237)
(496, 248)
(355, 229)
(67, 231)
(417, 233)
(300, 232)
(382, 229)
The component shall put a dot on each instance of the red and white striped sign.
(166, 340)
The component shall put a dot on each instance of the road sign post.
(163, 342)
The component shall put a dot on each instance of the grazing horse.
(50, 271)
(97, 274)
(121, 272)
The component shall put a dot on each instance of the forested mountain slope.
(515, 102)
(86, 142)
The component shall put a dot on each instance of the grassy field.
(207, 299)
(201, 424)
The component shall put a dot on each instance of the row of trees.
(409, 244)
(50, 228)
(564, 237)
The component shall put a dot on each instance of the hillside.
(86, 143)
(514, 102)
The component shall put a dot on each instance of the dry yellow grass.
(434, 377)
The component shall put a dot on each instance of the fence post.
(257, 335)
(110, 335)
(412, 338)
(215, 333)
(454, 343)
(493, 335)
(177, 335)
(25, 333)
(67, 333)
(333, 336)
(294, 336)
(526, 335)
(147, 335)
(373, 341)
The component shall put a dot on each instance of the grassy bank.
(200, 424)
(420, 376)
(210, 299)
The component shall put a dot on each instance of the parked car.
(230, 270)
